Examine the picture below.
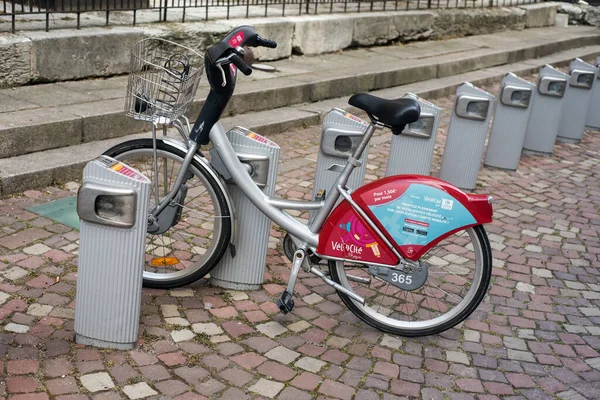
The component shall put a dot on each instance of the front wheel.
(459, 272)
(192, 247)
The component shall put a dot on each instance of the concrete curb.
(30, 131)
(61, 165)
(67, 54)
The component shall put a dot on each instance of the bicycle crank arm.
(337, 286)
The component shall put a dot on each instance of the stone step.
(43, 117)
(57, 166)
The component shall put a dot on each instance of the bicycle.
(407, 254)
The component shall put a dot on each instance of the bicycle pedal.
(285, 302)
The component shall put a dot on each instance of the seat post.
(365, 140)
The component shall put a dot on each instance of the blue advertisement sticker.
(422, 214)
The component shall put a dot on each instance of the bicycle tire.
(411, 329)
(143, 147)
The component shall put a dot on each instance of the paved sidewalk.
(536, 336)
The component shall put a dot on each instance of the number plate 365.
(398, 278)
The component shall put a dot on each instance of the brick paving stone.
(21, 384)
(171, 388)
(234, 394)
(310, 364)
(267, 388)
(97, 382)
(190, 396)
(276, 371)
(142, 359)
(391, 342)
(470, 385)
(210, 387)
(228, 349)
(182, 335)
(16, 328)
(248, 360)
(192, 375)
(299, 326)
(373, 382)
(409, 374)
(236, 329)
(256, 316)
(236, 376)
(30, 396)
(336, 389)
(498, 388)
(405, 388)
(172, 359)
(62, 386)
(408, 361)
(56, 367)
(306, 381)
(282, 354)
(312, 299)
(22, 367)
(260, 344)
(271, 329)
(139, 391)
(457, 357)
(122, 373)
(291, 393)
(215, 361)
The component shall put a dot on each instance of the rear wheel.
(188, 250)
(459, 273)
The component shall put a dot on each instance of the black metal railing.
(40, 14)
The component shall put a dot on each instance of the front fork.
(300, 260)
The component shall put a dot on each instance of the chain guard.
(400, 279)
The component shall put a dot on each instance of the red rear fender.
(414, 212)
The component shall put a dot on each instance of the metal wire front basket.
(163, 79)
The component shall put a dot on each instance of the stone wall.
(69, 54)
(468, 22)
(581, 14)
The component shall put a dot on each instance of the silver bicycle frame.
(308, 236)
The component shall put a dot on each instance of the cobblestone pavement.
(536, 336)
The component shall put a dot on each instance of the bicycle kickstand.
(286, 299)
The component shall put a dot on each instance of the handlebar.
(262, 42)
(222, 76)
(240, 64)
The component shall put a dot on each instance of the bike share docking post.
(546, 111)
(510, 123)
(244, 267)
(593, 116)
(340, 136)
(577, 101)
(411, 152)
(113, 206)
(467, 132)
